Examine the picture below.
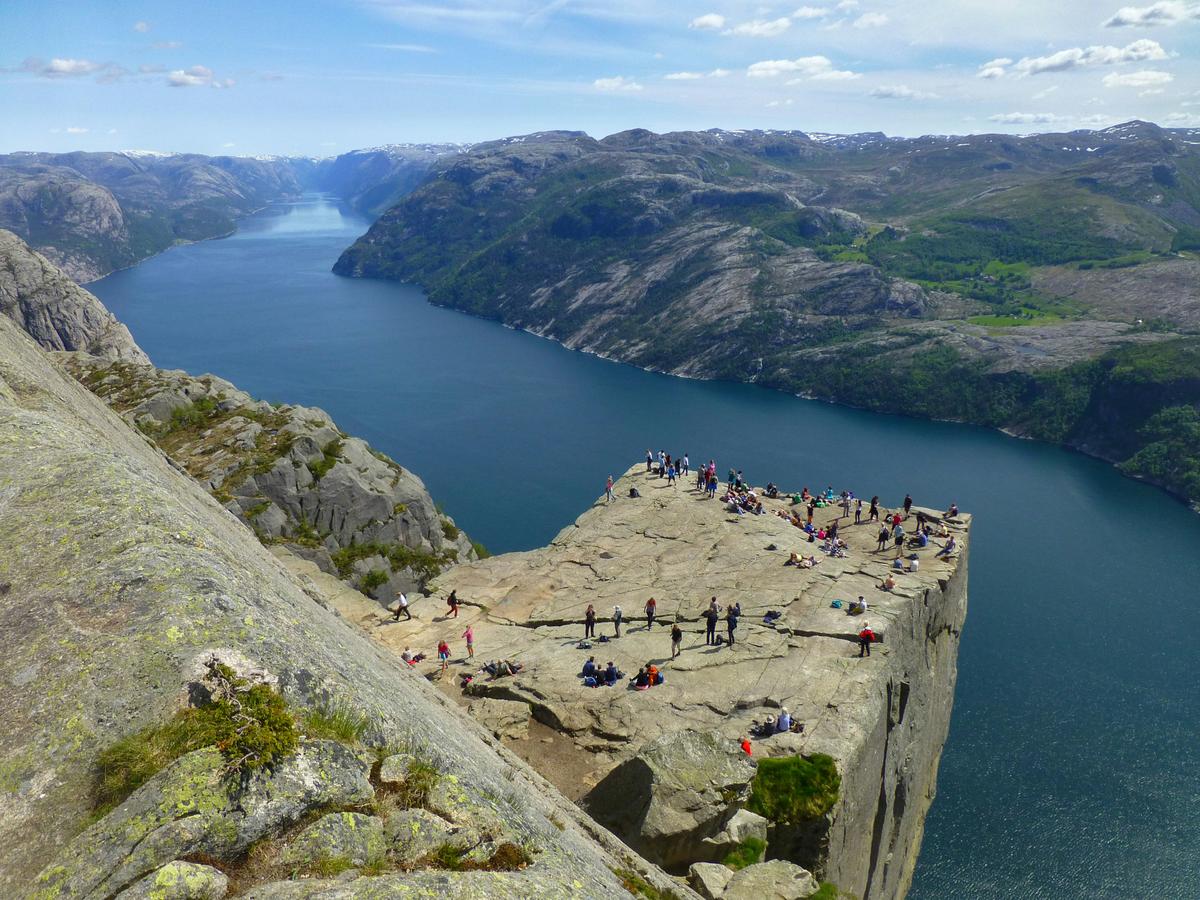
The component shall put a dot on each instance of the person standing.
(651, 609)
(469, 634)
(898, 537)
(858, 511)
(649, 460)
(676, 640)
(589, 622)
(845, 505)
(444, 654)
(608, 486)
(452, 602)
(907, 504)
(402, 606)
(617, 614)
(711, 615)
(865, 638)
(671, 475)
(686, 465)
(731, 622)
(873, 515)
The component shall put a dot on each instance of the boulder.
(413, 834)
(344, 835)
(709, 879)
(192, 807)
(774, 880)
(679, 790)
(504, 718)
(743, 826)
(179, 880)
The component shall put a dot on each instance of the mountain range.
(1048, 285)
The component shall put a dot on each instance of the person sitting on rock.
(809, 562)
(653, 674)
(784, 723)
(589, 667)
(914, 563)
(793, 560)
(745, 745)
(949, 548)
(889, 583)
(772, 490)
(611, 674)
(641, 681)
(857, 607)
(952, 512)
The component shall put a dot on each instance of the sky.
(305, 77)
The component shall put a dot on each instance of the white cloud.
(994, 68)
(1169, 12)
(1143, 78)
(228, 144)
(76, 129)
(167, 45)
(617, 83)
(197, 76)
(810, 12)
(709, 22)
(684, 76)
(1043, 94)
(112, 131)
(774, 103)
(1087, 57)
(718, 73)
(404, 48)
(1185, 120)
(1021, 118)
(848, 4)
(870, 20)
(761, 28)
(65, 67)
(141, 27)
(1151, 92)
(819, 68)
(900, 92)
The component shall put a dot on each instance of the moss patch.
(793, 789)
(747, 853)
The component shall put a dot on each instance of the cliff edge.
(625, 755)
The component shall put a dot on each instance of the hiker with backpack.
(865, 638)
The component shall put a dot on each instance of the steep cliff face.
(119, 578)
(57, 313)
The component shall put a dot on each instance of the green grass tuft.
(747, 853)
(792, 789)
(252, 728)
(336, 721)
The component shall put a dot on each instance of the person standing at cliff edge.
(608, 486)
(865, 637)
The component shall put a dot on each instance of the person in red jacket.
(746, 746)
(865, 637)
(444, 654)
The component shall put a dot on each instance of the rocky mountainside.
(91, 213)
(375, 179)
(289, 474)
(56, 312)
(183, 718)
(939, 276)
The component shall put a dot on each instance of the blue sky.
(320, 78)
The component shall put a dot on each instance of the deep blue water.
(1071, 769)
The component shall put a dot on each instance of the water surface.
(1071, 769)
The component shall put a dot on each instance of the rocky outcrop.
(289, 474)
(663, 767)
(56, 312)
(679, 790)
(121, 575)
(374, 179)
